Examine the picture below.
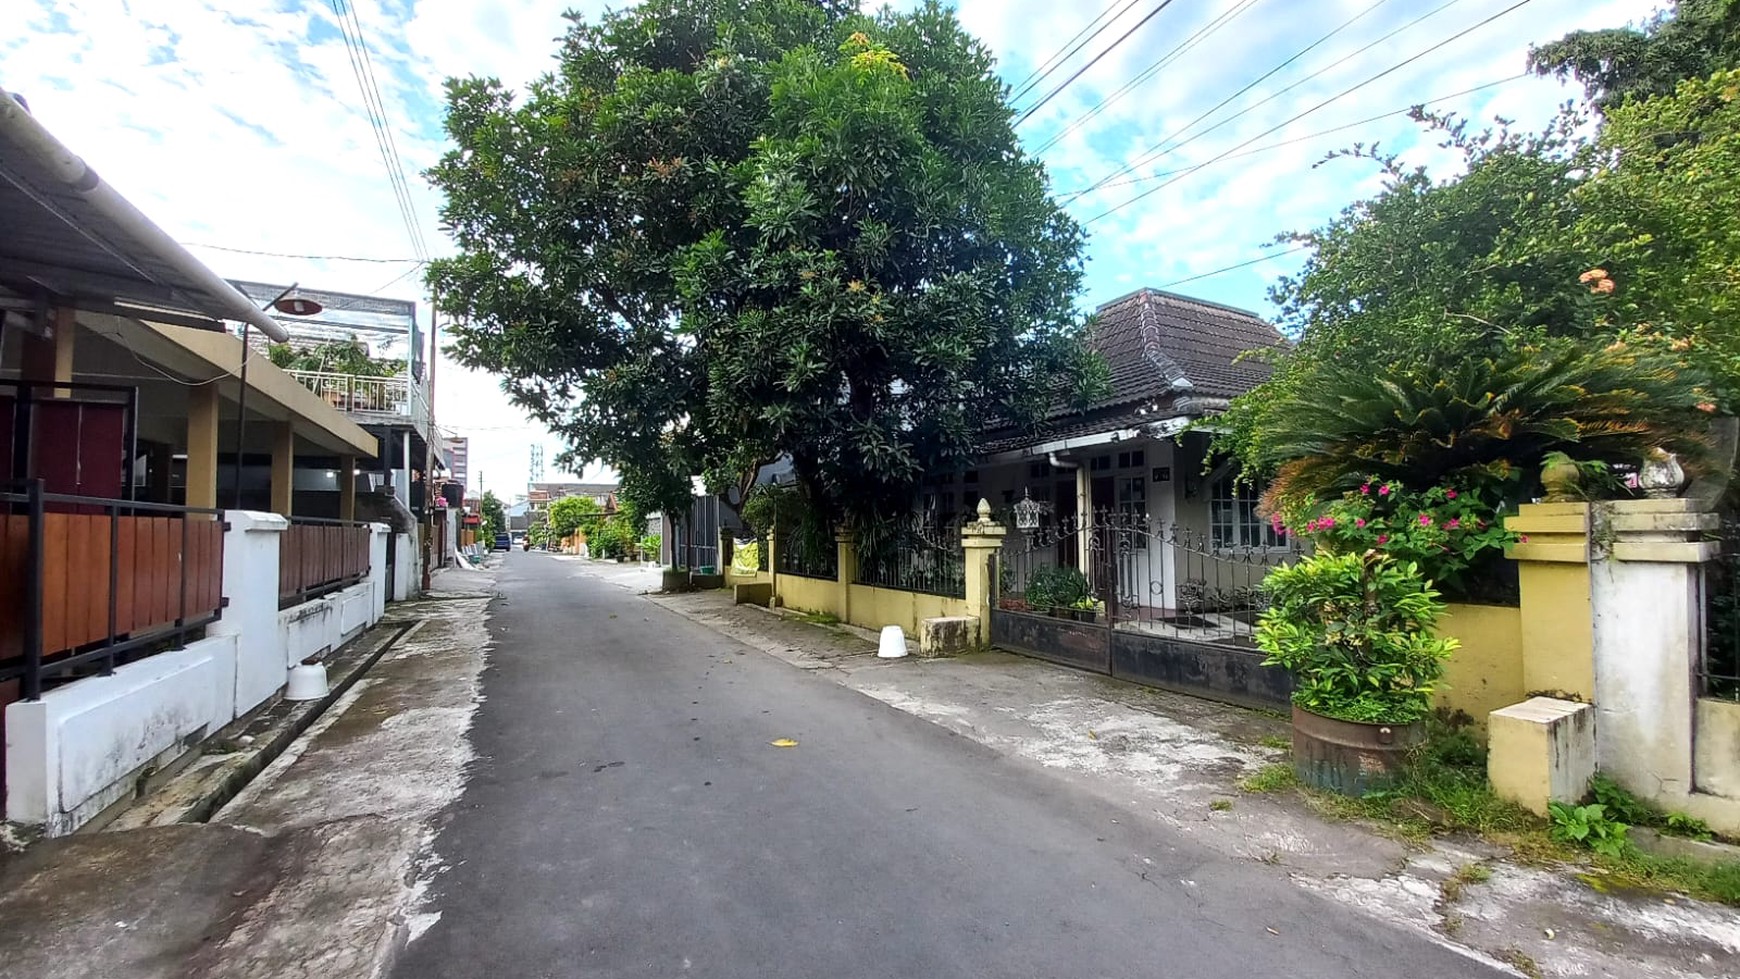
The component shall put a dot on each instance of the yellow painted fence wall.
(1487, 672)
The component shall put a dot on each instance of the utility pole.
(429, 495)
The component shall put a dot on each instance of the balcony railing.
(361, 394)
(88, 583)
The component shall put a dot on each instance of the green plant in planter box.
(1356, 632)
(1056, 588)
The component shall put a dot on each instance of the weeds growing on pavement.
(1270, 778)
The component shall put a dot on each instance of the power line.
(1035, 107)
(374, 108)
(1062, 52)
(1159, 150)
(1332, 99)
(1253, 151)
(319, 258)
(1177, 52)
(1067, 52)
(1233, 268)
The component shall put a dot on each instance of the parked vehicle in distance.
(502, 543)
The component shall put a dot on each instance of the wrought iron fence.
(1719, 665)
(807, 554)
(87, 583)
(916, 555)
(1128, 570)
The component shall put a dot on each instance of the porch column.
(981, 540)
(347, 487)
(283, 466)
(202, 445)
(49, 357)
(405, 494)
(1083, 517)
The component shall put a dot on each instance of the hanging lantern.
(1027, 513)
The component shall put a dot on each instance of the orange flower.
(1707, 408)
(1602, 286)
(1592, 275)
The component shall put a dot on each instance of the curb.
(237, 778)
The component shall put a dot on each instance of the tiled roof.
(1162, 351)
(1158, 342)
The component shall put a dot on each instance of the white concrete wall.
(75, 752)
(407, 571)
(1647, 628)
(1716, 769)
(80, 748)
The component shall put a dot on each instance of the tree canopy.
(1687, 39)
(726, 231)
(570, 513)
(1613, 251)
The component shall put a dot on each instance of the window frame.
(1224, 490)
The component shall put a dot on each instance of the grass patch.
(1220, 805)
(819, 618)
(1270, 778)
(1277, 741)
(1469, 873)
(1519, 960)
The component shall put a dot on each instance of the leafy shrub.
(1588, 826)
(1444, 531)
(1483, 423)
(1356, 632)
(1056, 587)
(613, 539)
(649, 546)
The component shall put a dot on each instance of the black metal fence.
(1718, 667)
(807, 554)
(88, 583)
(915, 555)
(1128, 570)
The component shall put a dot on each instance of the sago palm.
(1483, 421)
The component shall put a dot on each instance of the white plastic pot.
(893, 644)
(307, 682)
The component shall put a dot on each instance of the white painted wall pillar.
(1646, 595)
(407, 571)
(251, 551)
(379, 534)
(1163, 519)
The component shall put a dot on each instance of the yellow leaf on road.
(783, 743)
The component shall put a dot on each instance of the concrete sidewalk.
(310, 871)
(1179, 759)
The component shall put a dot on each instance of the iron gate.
(1159, 604)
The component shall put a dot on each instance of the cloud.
(241, 125)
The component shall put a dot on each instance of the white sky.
(240, 125)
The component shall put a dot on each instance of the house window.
(1133, 460)
(1100, 463)
(1132, 496)
(1233, 520)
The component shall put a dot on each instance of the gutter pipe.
(21, 128)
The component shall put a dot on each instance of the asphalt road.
(628, 817)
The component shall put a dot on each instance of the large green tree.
(1685, 39)
(726, 231)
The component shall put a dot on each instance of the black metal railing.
(89, 583)
(915, 555)
(807, 554)
(317, 557)
(1127, 570)
(1718, 667)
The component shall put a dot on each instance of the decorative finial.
(984, 510)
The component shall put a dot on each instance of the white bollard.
(893, 645)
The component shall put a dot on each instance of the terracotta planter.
(1349, 757)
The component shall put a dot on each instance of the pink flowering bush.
(1445, 531)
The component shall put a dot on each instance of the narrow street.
(627, 815)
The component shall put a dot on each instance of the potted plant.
(1086, 609)
(1055, 590)
(1355, 630)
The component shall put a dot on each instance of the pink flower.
(1365, 489)
(1524, 539)
(1328, 522)
(1425, 520)
(1383, 491)
(1359, 522)
(1453, 524)
(1450, 495)
(1383, 538)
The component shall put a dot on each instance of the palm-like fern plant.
(1483, 422)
